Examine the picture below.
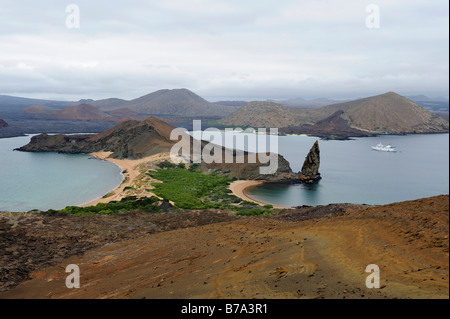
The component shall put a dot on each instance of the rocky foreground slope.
(308, 252)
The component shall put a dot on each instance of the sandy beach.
(239, 187)
(135, 182)
(134, 174)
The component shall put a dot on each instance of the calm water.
(47, 180)
(352, 172)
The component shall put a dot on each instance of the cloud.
(232, 49)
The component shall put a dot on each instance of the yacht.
(384, 148)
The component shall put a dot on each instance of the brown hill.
(3, 123)
(332, 127)
(38, 110)
(134, 140)
(81, 112)
(129, 139)
(122, 112)
(177, 102)
(262, 114)
(387, 113)
(108, 104)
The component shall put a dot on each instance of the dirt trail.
(271, 257)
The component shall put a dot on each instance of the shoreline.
(97, 200)
(131, 172)
(239, 188)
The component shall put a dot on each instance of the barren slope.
(81, 112)
(263, 114)
(177, 102)
(387, 113)
(283, 256)
(390, 113)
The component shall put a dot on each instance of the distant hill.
(3, 123)
(177, 102)
(387, 113)
(122, 112)
(262, 114)
(307, 104)
(13, 104)
(420, 98)
(231, 103)
(38, 110)
(108, 104)
(81, 112)
(332, 127)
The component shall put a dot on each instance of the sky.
(224, 50)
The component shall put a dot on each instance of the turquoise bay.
(49, 180)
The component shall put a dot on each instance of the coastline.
(132, 175)
(239, 188)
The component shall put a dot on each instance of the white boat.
(384, 148)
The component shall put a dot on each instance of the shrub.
(166, 164)
(195, 167)
(129, 203)
(192, 189)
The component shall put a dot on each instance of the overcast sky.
(224, 49)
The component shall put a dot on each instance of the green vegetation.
(193, 189)
(190, 189)
(166, 164)
(195, 167)
(187, 188)
(129, 203)
(108, 195)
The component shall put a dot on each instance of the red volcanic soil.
(308, 252)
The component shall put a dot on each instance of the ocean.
(354, 173)
(351, 173)
(49, 180)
